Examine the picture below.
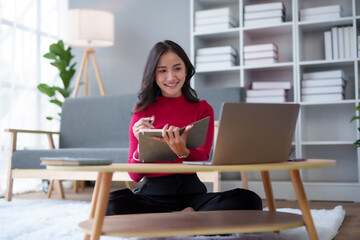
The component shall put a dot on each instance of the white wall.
(139, 24)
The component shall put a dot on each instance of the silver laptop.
(254, 133)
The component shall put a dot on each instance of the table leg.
(94, 200)
(268, 190)
(303, 203)
(99, 204)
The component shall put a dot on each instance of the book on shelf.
(323, 82)
(215, 20)
(213, 27)
(266, 92)
(320, 10)
(215, 12)
(341, 42)
(264, 7)
(263, 21)
(328, 45)
(335, 42)
(272, 99)
(72, 161)
(264, 14)
(208, 66)
(151, 150)
(338, 73)
(347, 42)
(260, 47)
(323, 17)
(352, 42)
(324, 89)
(216, 50)
(259, 61)
(215, 58)
(322, 97)
(270, 85)
(260, 54)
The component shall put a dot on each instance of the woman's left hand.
(176, 142)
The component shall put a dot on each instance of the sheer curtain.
(27, 28)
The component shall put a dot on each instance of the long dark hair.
(149, 89)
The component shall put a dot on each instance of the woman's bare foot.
(188, 209)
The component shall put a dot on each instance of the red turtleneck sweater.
(177, 112)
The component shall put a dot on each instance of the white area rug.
(58, 219)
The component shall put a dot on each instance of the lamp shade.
(89, 28)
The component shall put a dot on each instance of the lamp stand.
(85, 64)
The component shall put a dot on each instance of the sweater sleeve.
(133, 146)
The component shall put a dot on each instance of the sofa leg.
(75, 186)
(82, 185)
(51, 186)
(59, 189)
(8, 196)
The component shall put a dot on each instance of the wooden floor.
(350, 229)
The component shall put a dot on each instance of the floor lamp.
(89, 28)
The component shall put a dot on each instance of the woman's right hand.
(143, 123)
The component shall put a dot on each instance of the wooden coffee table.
(196, 223)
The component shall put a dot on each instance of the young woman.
(167, 102)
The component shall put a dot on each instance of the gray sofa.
(92, 127)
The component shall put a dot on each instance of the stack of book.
(260, 54)
(264, 92)
(264, 14)
(321, 13)
(323, 86)
(215, 19)
(214, 58)
(338, 43)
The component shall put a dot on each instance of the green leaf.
(357, 108)
(357, 143)
(60, 44)
(61, 65)
(57, 102)
(49, 118)
(44, 88)
(54, 48)
(62, 91)
(66, 77)
(354, 118)
(50, 55)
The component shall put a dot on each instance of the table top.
(185, 168)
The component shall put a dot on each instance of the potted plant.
(357, 108)
(62, 61)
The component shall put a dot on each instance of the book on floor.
(73, 161)
(151, 150)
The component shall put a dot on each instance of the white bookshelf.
(324, 129)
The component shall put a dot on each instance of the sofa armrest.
(29, 131)
(14, 133)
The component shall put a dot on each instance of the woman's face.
(170, 74)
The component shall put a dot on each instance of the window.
(27, 28)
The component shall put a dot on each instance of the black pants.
(176, 192)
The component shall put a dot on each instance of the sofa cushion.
(30, 159)
(96, 122)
